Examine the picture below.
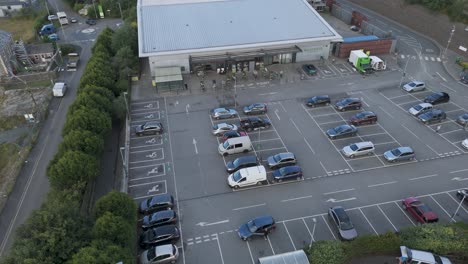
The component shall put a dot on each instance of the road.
(32, 184)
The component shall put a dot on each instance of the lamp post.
(124, 180)
(126, 103)
(235, 91)
(449, 40)
(95, 12)
(120, 9)
(403, 74)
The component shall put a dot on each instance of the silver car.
(358, 149)
(281, 159)
(219, 129)
(401, 153)
(414, 86)
(463, 119)
(160, 254)
(341, 221)
(219, 113)
(420, 108)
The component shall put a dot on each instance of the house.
(7, 7)
(40, 53)
(6, 52)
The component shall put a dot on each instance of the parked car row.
(160, 232)
(253, 109)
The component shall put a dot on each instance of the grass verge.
(10, 122)
(21, 28)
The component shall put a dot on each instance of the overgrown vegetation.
(10, 122)
(450, 240)
(457, 10)
(59, 232)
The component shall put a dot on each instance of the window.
(239, 145)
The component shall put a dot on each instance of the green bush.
(82, 140)
(72, 168)
(327, 252)
(115, 229)
(67, 48)
(99, 90)
(387, 243)
(119, 204)
(88, 119)
(102, 252)
(91, 100)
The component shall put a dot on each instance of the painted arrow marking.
(459, 179)
(338, 201)
(214, 223)
(195, 145)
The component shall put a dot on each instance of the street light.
(124, 180)
(120, 8)
(235, 91)
(126, 103)
(449, 40)
(404, 73)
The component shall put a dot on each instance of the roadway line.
(386, 112)
(323, 167)
(139, 151)
(247, 207)
(295, 126)
(457, 202)
(269, 242)
(175, 181)
(250, 252)
(451, 219)
(308, 230)
(298, 198)
(458, 171)
(282, 106)
(448, 87)
(445, 80)
(219, 247)
(347, 190)
(411, 221)
(260, 150)
(162, 164)
(396, 230)
(328, 227)
(380, 184)
(311, 149)
(289, 235)
(368, 221)
(423, 177)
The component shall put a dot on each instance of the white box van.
(248, 176)
(59, 89)
(235, 145)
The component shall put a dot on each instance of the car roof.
(366, 113)
(341, 213)
(163, 214)
(363, 143)
(425, 104)
(264, 220)
(256, 104)
(417, 82)
(405, 149)
(285, 155)
(221, 109)
(165, 229)
(153, 123)
(291, 168)
(350, 99)
(164, 249)
(161, 198)
(220, 125)
(344, 125)
(247, 159)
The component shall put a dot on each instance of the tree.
(119, 204)
(91, 100)
(98, 253)
(93, 77)
(125, 36)
(99, 90)
(88, 119)
(82, 140)
(105, 38)
(53, 233)
(126, 62)
(115, 229)
(119, 108)
(73, 167)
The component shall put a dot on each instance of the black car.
(318, 100)
(157, 203)
(242, 162)
(91, 21)
(437, 98)
(342, 131)
(281, 159)
(310, 69)
(254, 123)
(149, 128)
(159, 235)
(434, 115)
(259, 226)
(160, 218)
(287, 173)
(341, 221)
(348, 104)
(463, 195)
(253, 109)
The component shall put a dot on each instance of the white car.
(465, 143)
(358, 149)
(422, 257)
(414, 86)
(420, 108)
(219, 129)
(52, 17)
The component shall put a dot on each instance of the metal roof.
(5, 38)
(183, 26)
(294, 257)
(360, 38)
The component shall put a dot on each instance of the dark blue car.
(342, 131)
(259, 226)
(287, 173)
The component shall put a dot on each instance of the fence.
(342, 14)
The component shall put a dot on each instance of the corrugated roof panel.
(227, 23)
(360, 38)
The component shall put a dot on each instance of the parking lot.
(297, 233)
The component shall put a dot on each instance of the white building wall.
(4, 10)
(170, 61)
(313, 51)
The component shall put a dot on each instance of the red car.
(421, 212)
(233, 134)
(366, 117)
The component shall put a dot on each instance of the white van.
(235, 145)
(59, 89)
(248, 176)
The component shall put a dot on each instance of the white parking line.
(298, 198)
(411, 221)
(457, 202)
(339, 191)
(146, 150)
(423, 177)
(452, 219)
(289, 235)
(292, 121)
(388, 219)
(146, 183)
(331, 122)
(380, 184)
(264, 140)
(375, 134)
(328, 227)
(307, 110)
(247, 207)
(146, 166)
(384, 143)
(457, 171)
(220, 251)
(368, 221)
(281, 139)
(308, 230)
(250, 252)
(311, 149)
(261, 150)
(269, 242)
